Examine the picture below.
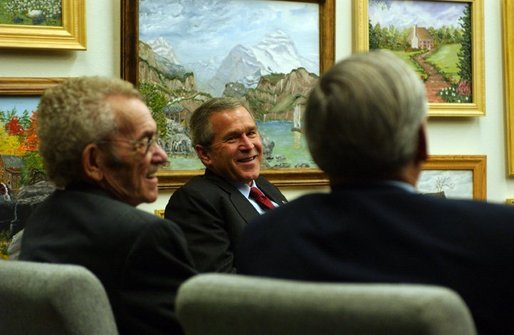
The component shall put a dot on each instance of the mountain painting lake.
(265, 53)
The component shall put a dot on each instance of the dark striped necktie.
(263, 201)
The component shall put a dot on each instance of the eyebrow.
(147, 134)
(238, 132)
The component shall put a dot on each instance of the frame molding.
(508, 80)
(27, 85)
(476, 108)
(280, 177)
(70, 36)
(475, 163)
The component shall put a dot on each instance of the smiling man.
(98, 143)
(212, 209)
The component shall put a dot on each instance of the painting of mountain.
(264, 52)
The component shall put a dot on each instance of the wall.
(479, 135)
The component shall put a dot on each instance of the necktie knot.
(259, 197)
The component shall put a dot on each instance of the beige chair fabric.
(39, 298)
(220, 304)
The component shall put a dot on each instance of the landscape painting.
(20, 162)
(456, 184)
(434, 37)
(266, 53)
(454, 176)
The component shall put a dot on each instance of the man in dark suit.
(98, 142)
(365, 124)
(213, 209)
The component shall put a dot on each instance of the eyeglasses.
(140, 146)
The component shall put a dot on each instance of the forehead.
(132, 114)
(231, 119)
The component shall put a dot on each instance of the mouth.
(247, 159)
(151, 174)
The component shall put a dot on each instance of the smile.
(246, 160)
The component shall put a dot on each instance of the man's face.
(131, 173)
(236, 151)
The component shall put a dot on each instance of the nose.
(159, 156)
(246, 142)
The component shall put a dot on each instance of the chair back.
(40, 298)
(220, 304)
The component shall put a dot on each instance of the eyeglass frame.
(137, 145)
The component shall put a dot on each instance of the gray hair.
(363, 117)
(200, 125)
(72, 115)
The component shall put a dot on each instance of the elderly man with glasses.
(98, 143)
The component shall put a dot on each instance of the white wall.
(480, 135)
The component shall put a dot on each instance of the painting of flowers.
(31, 12)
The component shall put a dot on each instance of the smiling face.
(236, 150)
(128, 172)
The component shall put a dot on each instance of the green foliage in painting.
(466, 42)
(156, 101)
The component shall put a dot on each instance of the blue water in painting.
(290, 150)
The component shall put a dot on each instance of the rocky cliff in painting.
(154, 67)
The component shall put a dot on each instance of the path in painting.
(435, 81)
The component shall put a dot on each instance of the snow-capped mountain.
(276, 53)
(164, 49)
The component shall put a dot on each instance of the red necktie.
(260, 198)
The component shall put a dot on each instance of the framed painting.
(508, 80)
(182, 53)
(20, 162)
(442, 40)
(43, 24)
(455, 176)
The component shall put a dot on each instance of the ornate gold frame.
(476, 108)
(475, 163)
(280, 177)
(508, 74)
(71, 35)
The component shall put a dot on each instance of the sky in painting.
(403, 14)
(197, 28)
(20, 103)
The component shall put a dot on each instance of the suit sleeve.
(203, 221)
(158, 264)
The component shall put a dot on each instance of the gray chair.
(220, 304)
(39, 298)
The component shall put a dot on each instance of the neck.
(408, 174)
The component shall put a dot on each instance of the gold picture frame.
(475, 164)
(508, 79)
(70, 36)
(440, 109)
(20, 86)
(282, 177)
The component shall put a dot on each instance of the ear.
(422, 153)
(203, 154)
(91, 163)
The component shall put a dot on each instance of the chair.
(39, 298)
(217, 304)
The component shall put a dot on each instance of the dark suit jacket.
(386, 234)
(140, 259)
(212, 213)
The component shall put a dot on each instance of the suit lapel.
(239, 202)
